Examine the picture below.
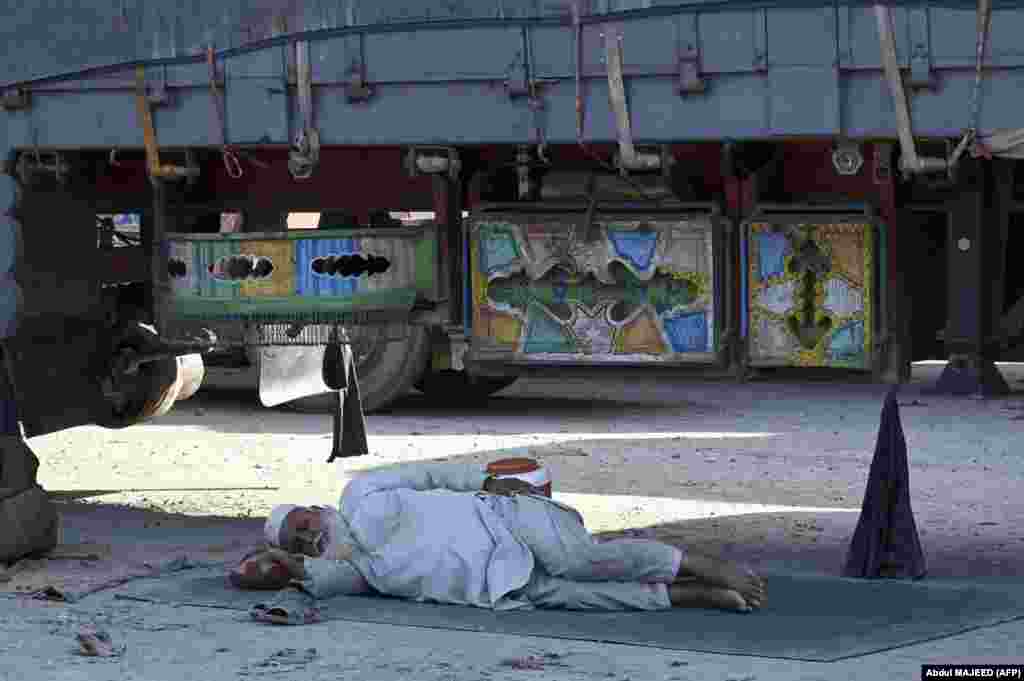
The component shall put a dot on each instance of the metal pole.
(910, 162)
(156, 245)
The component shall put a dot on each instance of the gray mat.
(813, 618)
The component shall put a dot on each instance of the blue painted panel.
(816, 42)
(87, 118)
(772, 248)
(257, 112)
(544, 334)
(552, 58)
(789, 99)
(951, 45)
(433, 113)
(264, 64)
(688, 333)
(647, 45)
(188, 121)
(847, 343)
(442, 55)
(1004, 38)
(308, 283)
(867, 51)
(728, 41)
(815, 111)
(636, 247)
(332, 59)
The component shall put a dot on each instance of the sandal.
(291, 607)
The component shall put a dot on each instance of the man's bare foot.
(698, 595)
(725, 574)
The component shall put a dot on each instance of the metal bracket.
(920, 51)
(517, 85)
(690, 82)
(882, 163)
(305, 154)
(31, 164)
(521, 84)
(761, 40)
(18, 100)
(357, 90)
(628, 157)
(433, 161)
(157, 170)
(158, 95)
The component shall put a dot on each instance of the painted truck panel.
(769, 70)
(281, 277)
(637, 289)
(811, 299)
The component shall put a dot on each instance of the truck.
(686, 187)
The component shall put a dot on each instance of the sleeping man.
(448, 533)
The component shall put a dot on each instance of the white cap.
(538, 477)
(275, 522)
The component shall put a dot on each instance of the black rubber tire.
(161, 381)
(386, 370)
(455, 387)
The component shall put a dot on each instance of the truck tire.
(386, 370)
(456, 387)
(160, 382)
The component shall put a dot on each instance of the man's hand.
(509, 486)
(292, 562)
(267, 569)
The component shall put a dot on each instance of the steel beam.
(970, 370)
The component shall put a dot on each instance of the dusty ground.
(771, 473)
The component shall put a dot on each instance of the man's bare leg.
(723, 574)
(701, 595)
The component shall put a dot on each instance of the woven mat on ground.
(810, 617)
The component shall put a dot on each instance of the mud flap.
(289, 373)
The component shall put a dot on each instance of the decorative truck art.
(811, 294)
(635, 289)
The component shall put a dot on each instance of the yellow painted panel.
(281, 281)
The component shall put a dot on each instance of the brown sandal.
(292, 607)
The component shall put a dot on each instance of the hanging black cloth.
(885, 543)
(349, 421)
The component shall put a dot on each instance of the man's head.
(295, 529)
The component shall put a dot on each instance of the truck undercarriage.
(658, 187)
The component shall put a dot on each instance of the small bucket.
(527, 470)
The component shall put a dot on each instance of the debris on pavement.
(50, 593)
(96, 643)
(534, 662)
(88, 551)
(288, 659)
